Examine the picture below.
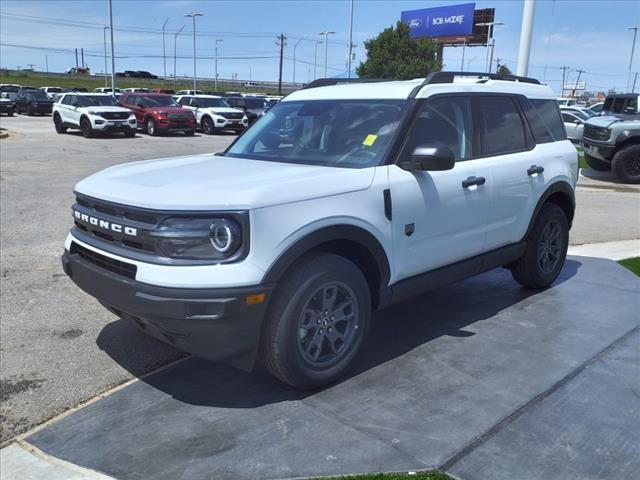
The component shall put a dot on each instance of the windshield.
(340, 133)
(54, 90)
(580, 114)
(204, 102)
(159, 101)
(9, 88)
(96, 100)
(37, 95)
(255, 103)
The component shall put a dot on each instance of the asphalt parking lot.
(56, 350)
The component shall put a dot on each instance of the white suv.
(93, 113)
(341, 200)
(213, 113)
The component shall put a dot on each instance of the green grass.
(632, 264)
(581, 161)
(396, 476)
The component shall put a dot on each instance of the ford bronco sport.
(341, 200)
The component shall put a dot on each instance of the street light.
(464, 46)
(315, 57)
(488, 62)
(193, 16)
(294, 61)
(113, 60)
(326, 48)
(164, 55)
(175, 41)
(106, 70)
(633, 47)
(215, 80)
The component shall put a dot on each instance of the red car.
(157, 113)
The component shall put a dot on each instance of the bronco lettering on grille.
(104, 224)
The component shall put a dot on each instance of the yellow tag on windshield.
(370, 140)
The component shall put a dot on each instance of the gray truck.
(611, 140)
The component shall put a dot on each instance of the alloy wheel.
(550, 247)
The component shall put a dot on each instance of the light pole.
(464, 46)
(113, 61)
(487, 65)
(470, 62)
(633, 47)
(193, 16)
(315, 58)
(526, 33)
(175, 41)
(294, 61)
(164, 54)
(326, 48)
(106, 70)
(350, 39)
(215, 80)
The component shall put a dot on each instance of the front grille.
(596, 133)
(232, 116)
(111, 264)
(115, 115)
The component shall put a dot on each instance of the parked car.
(33, 102)
(253, 107)
(145, 74)
(213, 114)
(51, 90)
(106, 90)
(567, 102)
(180, 93)
(79, 89)
(596, 107)
(346, 199)
(7, 106)
(574, 123)
(583, 110)
(9, 90)
(93, 113)
(611, 141)
(168, 91)
(135, 90)
(159, 114)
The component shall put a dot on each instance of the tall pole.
(490, 25)
(350, 40)
(175, 42)
(113, 60)
(326, 48)
(464, 45)
(76, 58)
(294, 61)
(215, 80)
(82, 55)
(564, 69)
(106, 69)
(164, 52)
(315, 58)
(633, 47)
(281, 43)
(575, 87)
(46, 63)
(525, 38)
(193, 16)
(493, 44)
(633, 88)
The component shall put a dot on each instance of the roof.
(405, 88)
(199, 95)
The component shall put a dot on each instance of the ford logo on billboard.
(415, 22)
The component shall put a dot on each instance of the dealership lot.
(61, 348)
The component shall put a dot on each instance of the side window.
(567, 117)
(500, 125)
(184, 101)
(544, 119)
(443, 120)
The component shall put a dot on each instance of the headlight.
(198, 238)
(92, 112)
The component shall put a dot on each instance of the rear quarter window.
(544, 119)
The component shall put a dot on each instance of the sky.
(589, 35)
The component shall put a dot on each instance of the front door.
(440, 217)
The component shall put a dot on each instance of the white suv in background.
(342, 200)
(213, 114)
(92, 113)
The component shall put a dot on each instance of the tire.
(57, 122)
(546, 249)
(207, 126)
(626, 164)
(10, 113)
(310, 361)
(85, 126)
(130, 133)
(190, 133)
(151, 127)
(30, 111)
(597, 164)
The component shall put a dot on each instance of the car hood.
(222, 110)
(608, 120)
(168, 109)
(107, 108)
(210, 182)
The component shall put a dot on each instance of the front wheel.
(130, 133)
(546, 249)
(85, 126)
(57, 122)
(626, 164)
(152, 128)
(190, 133)
(317, 321)
(207, 126)
(10, 113)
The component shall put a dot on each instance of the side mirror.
(577, 121)
(195, 105)
(75, 104)
(436, 157)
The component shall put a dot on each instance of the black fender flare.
(560, 187)
(626, 137)
(324, 235)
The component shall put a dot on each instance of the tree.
(394, 54)
(504, 70)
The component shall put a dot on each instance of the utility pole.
(350, 39)
(113, 60)
(76, 58)
(82, 55)
(633, 47)
(564, 69)
(580, 72)
(280, 42)
(633, 88)
(164, 53)
(175, 41)
(490, 25)
(294, 61)
(215, 80)
(497, 65)
(525, 37)
(326, 48)
(464, 47)
(104, 38)
(315, 58)
(46, 64)
(193, 16)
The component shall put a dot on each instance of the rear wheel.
(626, 164)
(597, 164)
(85, 126)
(57, 121)
(30, 111)
(207, 126)
(10, 113)
(546, 249)
(152, 128)
(317, 321)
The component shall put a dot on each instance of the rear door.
(131, 102)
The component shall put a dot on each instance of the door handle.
(473, 181)
(533, 169)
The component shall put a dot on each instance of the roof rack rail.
(447, 77)
(327, 82)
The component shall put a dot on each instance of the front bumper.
(176, 125)
(114, 125)
(601, 150)
(215, 324)
(237, 125)
(7, 108)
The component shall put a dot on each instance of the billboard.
(440, 21)
(581, 85)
